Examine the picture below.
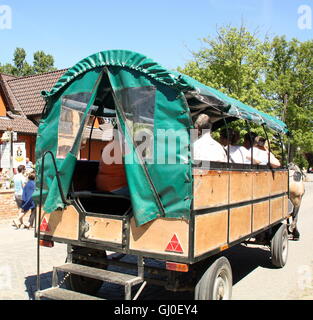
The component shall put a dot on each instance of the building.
(21, 107)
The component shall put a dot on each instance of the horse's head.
(293, 166)
(295, 172)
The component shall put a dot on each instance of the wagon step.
(57, 293)
(99, 274)
(63, 294)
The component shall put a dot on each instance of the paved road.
(254, 277)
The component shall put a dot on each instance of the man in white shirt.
(206, 148)
(237, 154)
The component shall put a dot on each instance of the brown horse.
(296, 189)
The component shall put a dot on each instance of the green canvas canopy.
(173, 79)
(146, 97)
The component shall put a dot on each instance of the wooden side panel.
(276, 206)
(285, 207)
(62, 223)
(240, 186)
(210, 188)
(285, 180)
(261, 215)
(240, 222)
(104, 229)
(277, 182)
(261, 184)
(156, 235)
(210, 231)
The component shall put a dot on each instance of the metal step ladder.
(57, 293)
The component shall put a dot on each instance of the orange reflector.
(222, 248)
(45, 243)
(179, 267)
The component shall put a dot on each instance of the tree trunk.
(292, 152)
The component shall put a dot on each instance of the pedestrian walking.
(28, 203)
(29, 164)
(19, 183)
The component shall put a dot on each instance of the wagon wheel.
(82, 284)
(216, 283)
(279, 247)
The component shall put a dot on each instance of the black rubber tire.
(279, 247)
(214, 281)
(82, 284)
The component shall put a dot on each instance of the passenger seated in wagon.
(206, 148)
(237, 154)
(262, 155)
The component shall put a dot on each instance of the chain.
(64, 279)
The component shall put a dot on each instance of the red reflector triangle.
(174, 245)
(44, 226)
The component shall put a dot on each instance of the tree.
(275, 76)
(19, 58)
(234, 63)
(289, 84)
(42, 63)
(7, 69)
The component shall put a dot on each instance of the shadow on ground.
(31, 284)
(243, 259)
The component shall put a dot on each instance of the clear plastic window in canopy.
(71, 121)
(138, 106)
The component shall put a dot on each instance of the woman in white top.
(261, 154)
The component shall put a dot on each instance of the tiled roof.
(8, 95)
(25, 101)
(18, 123)
(7, 77)
(25, 91)
(104, 133)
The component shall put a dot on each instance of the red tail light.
(45, 243)
(179, 267)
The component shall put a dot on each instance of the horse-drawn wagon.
(180, 213)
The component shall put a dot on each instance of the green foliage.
(42, 63)
(234, 63)
(301, 161)
(275, 76)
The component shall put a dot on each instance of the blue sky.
(165, 30)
